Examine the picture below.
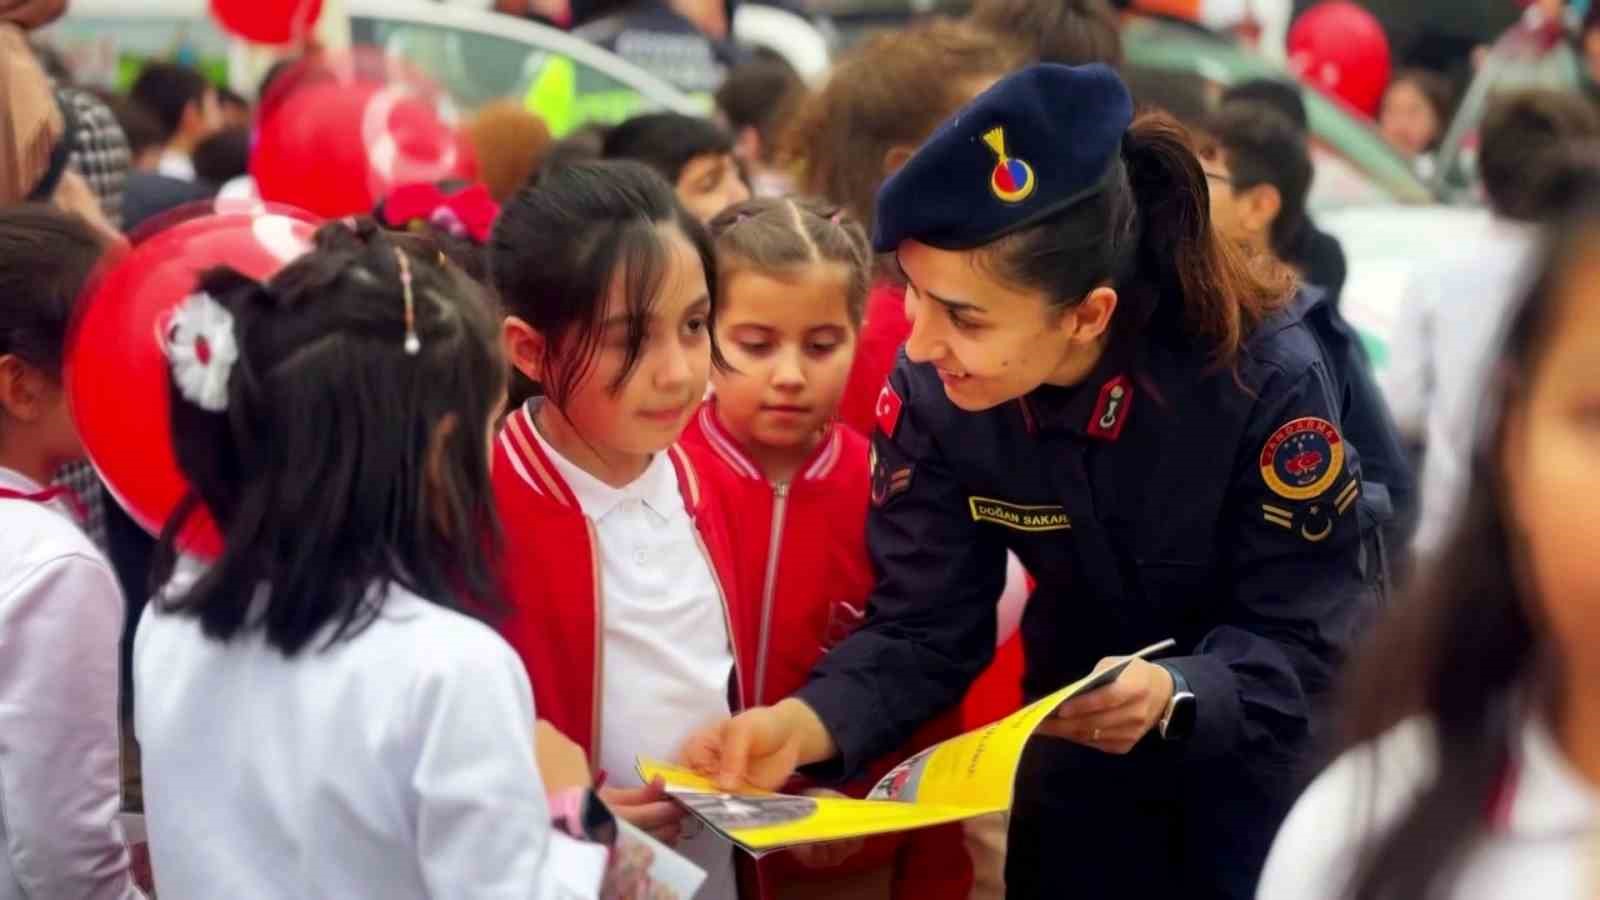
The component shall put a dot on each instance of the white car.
(476, 56)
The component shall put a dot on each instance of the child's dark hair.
(666, 142)
(1281, 94)
(778, 236)
(1262, 146)
(343, 463)
(557, 249)
(1148, 233)
(1468, 640)
(583, 145)
(1520, 127)
(224, 156)
(46, 258)
(141, 127)
(1068, 32)
(760, 94)
(166, 89)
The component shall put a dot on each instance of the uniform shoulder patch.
(887, 409)
(887, 482)
(1303, 458)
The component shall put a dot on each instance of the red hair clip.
(468, 213)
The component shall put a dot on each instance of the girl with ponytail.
(1099, 384)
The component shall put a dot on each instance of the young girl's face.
(792, 342)
(650, 409)
(1552, 468)
(1407, 118)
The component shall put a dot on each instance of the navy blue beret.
(1037, 142)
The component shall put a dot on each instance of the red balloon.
(335, 138)
(1341, 49)
(116, 369)
(267, 21)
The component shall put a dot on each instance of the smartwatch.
(1178, 721)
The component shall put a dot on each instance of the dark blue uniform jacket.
(1220, 507)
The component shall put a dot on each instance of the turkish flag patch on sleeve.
(888, 409)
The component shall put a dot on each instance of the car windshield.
(567, 87)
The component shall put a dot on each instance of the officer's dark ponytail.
(1148, 233)
(1180, 257)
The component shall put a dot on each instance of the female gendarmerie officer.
(1096, 382)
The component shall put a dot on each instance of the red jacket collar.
(535, 469)
(818, 466)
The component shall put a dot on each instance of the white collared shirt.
(60, 754)
(1544, 848)
(1441, 357)
(398, 763)
(175, 164)
(667, 657)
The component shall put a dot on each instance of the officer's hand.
(760, 747)
(1118, 715)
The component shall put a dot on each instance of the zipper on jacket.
(727, 616)
(769, 589)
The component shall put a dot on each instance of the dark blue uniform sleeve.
(1300, 579)
(930, 627)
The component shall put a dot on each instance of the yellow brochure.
(969, 775)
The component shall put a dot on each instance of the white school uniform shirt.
(398, 763)
(60, 754)
(1444, 346)
(176, 164)
(667, 655)
(1543, 848)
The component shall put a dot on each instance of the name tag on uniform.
(1017, 516)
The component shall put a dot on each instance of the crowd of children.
(662, 441)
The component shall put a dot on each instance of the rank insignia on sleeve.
(1312, 522)
(1303, 458)
(887, 409)
(886, 483)
(1347, 496)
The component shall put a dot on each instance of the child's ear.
(1262, 202)
(524, 347)
(21, 389)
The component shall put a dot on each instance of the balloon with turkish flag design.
(337, 132)
(117, 370)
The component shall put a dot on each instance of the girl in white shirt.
(319, 714)
(1472, 767)
(620, 608)
(60, 607)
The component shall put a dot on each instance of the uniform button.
(640, 556)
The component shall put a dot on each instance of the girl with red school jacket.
(795, 486)
(616, 563)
